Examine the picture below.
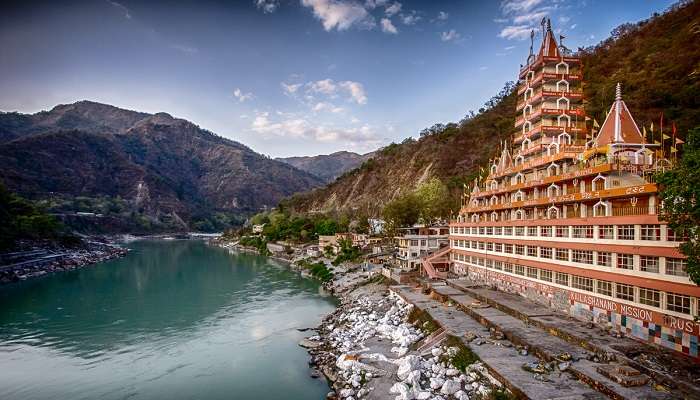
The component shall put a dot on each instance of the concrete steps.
(573, 331)
(574, 360)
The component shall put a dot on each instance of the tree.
(679, 193)
(402, 211)
(435, 200)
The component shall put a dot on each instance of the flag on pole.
(644, 132)
(651, 128)
(678, 141)
(595, 123)
(665, 137)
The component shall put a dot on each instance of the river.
(171, 320)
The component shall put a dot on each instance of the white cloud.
(573, 26)
(238, 93)
(127, 13)
(388, 27)
(356, 90)
(267, 6)
(372, 4)
(322, 106)
(290, 88)
(316, 94)
(515, 32)
(529, 17)
(564, 19)
(325, 86)
(338, 14)
(410, 19)
(450, 35)
(442, 16)
(393, 9)
(500, 20)
(508, 48)
(509, 6)
(300, 127)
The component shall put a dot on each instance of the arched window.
(519, 214)
(564, 138)
(519, 159)
(519, 178)
(494, 199)
(565, 117)
(527, 126)
(599, 183)
(562, 68)
(566, 102)
(563, 86)
(553, 190)
(553, 169)
(600, 209)
(552, 149)
(552, 212)
(494, 216)
(525, 144)
(519, 196)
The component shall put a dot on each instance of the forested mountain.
(142, 172)
(328, 166)
(656, 60)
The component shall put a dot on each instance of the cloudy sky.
(286, 77)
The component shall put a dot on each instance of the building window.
(562, 279)
(474, 230)
(482, 245)
(532, 272)
(651, 232)
(625, 261)
(604, 288)
(581, 282)
(489, 230)
(674, 236)
(519, 249)
(508, 267)
(480, 261)
(584, 231)
(546, 231)
(532, 251)
(519, 270)
(519, 231)
(546, 275)
(498, 230)
(582, 256)
(676, 266)
(563, 254)
(604, 259)
(624, 292)
(508, 248)
(481, 230)
(414, 243)
(649, 264)
(489, 263)
(498, 247)
(489, 246)
(625, 232)
(498, 265)
(532, 231)
(606, 232)
(650, 297)
(562, 231)
(546, 252)
(508, 231)
(678, 303)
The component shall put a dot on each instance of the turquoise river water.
(171, 320)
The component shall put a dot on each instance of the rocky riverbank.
(38, 260)
(368, 349)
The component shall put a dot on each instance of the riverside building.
(568, 217)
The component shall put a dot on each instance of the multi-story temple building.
(568, 217)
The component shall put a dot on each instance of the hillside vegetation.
(656, 60)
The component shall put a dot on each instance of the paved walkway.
(506, 362)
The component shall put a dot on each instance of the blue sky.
(287, 77)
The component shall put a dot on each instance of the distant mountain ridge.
(328, 166)
(162, 171)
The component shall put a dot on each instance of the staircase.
(428, 261)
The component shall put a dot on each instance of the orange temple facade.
(567, 216)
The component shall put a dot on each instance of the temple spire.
(619, 126)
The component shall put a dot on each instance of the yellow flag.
(652, 127)
(666, 137)
(644, 131)
(657, 142)
(595, 123)
(673, 149)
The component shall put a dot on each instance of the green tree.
(679, 192)
(435, 200)
(402, 211)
